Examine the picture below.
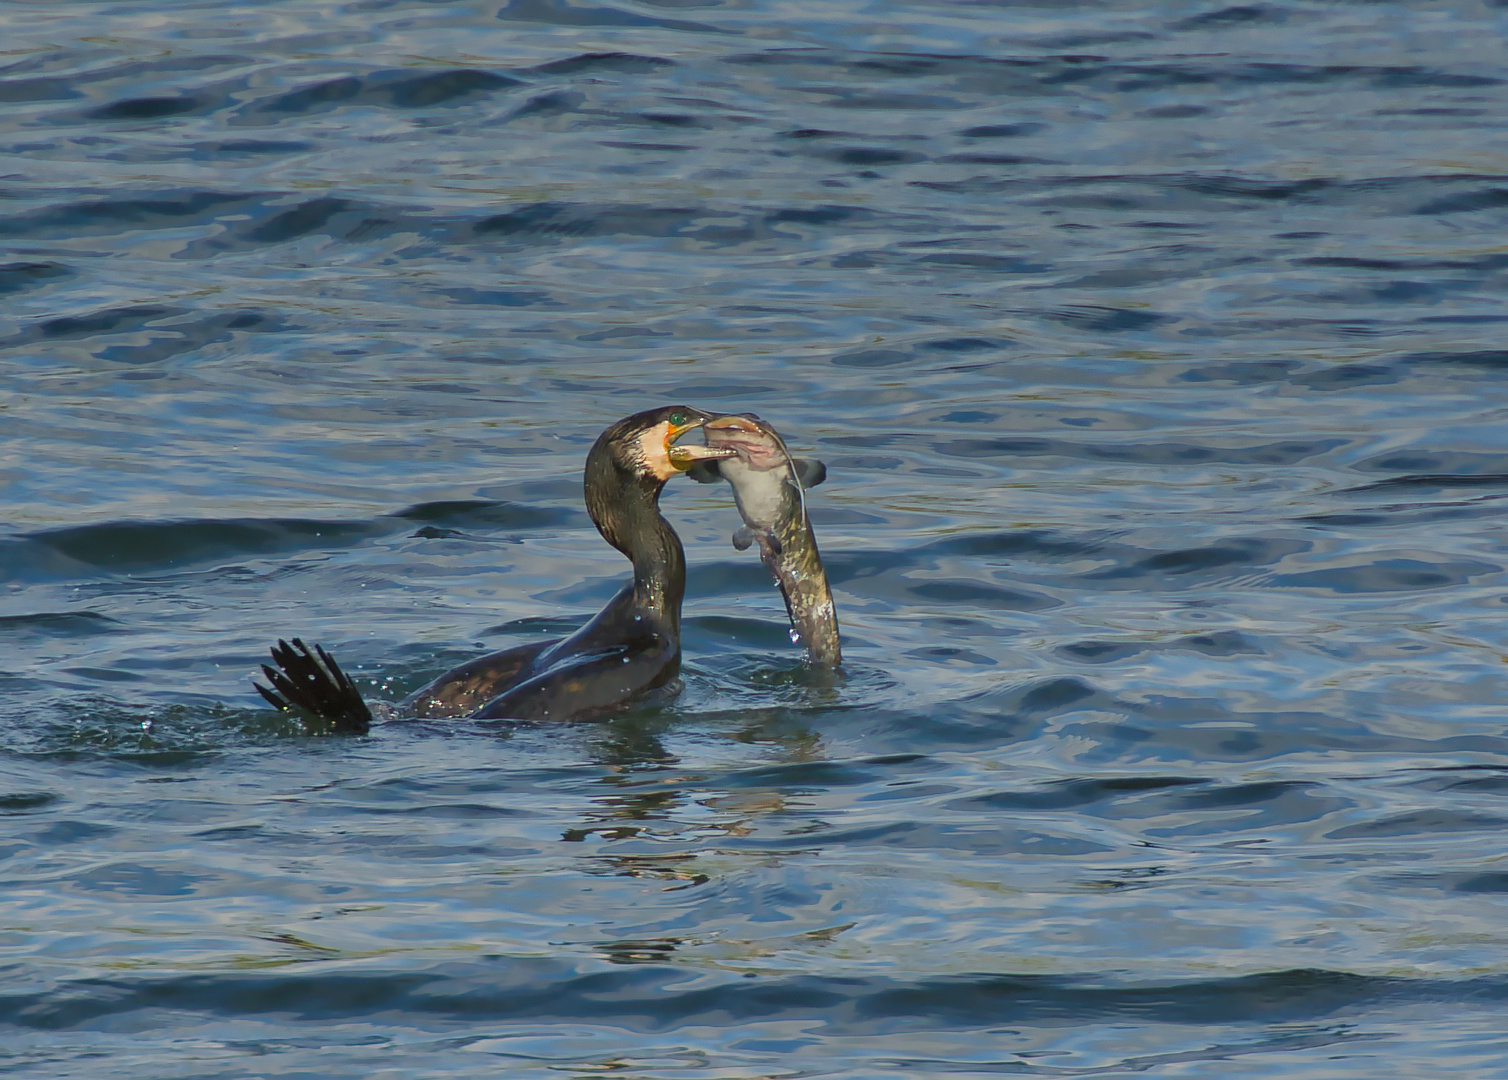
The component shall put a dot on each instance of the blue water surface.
(1156, 352)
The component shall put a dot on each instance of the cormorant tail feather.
(313, 684)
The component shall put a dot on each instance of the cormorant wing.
(464, 690)
(586, 684)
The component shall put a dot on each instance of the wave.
(649, 998)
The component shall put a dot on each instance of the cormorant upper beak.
(683, 457)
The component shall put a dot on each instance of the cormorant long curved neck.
(625, 507)
(658, 558)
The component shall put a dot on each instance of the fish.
(769, 486)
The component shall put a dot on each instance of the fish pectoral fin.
(809, 471)
(743, 538)
(705, 472)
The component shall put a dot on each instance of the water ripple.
(1152, 352)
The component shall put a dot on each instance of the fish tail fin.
(313, 684)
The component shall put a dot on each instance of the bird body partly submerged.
(769, 487)
(625, 652)
(628, 650)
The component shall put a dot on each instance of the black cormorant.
(631, 647)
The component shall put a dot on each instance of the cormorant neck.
(658, 558)
(626, 510)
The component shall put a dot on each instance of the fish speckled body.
(769, 487)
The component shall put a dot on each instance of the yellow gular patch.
(654, 448)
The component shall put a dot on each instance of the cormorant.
(630, 648)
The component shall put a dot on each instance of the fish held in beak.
(683, 457)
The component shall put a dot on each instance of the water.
(1156, 354)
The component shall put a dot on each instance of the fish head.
(753, 441)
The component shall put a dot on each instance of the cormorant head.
(644, 444)
(628, 465)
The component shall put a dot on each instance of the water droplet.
(795, 636)
(146, 725)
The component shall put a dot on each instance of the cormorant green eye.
(679, 418)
